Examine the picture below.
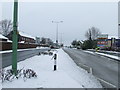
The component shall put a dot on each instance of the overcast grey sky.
(36, 18)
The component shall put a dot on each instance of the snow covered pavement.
(68, 74)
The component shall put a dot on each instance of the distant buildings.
(23, 37)
(38, 40)
(113, 42)
(46, 41)
(26, 38)
(24, 41)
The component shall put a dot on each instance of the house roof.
(3, 37)
(26, 35)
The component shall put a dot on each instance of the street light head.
(57, 21)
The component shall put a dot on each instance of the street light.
(57, 22)
(119, 30)
(61, 38)
(15, 38)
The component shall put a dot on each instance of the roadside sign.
(102, 36)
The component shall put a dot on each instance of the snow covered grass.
(68, 74)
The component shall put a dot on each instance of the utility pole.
(15, 38)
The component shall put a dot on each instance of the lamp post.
(119, 30)
(61, 37)
(57, 22)
(15, 38)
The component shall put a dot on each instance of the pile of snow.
(3, 37)
(68, 74)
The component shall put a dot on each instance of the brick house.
(23, 37)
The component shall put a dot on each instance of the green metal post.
(15, 38)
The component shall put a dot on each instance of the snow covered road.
(68, 74)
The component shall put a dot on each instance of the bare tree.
(92, 33)
(5, 27)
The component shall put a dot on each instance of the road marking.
(106, 82)
(91, 71)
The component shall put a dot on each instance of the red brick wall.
(8, 45)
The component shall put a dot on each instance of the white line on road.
(91, 71)
(106, 82)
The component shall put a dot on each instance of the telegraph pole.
(15, 38)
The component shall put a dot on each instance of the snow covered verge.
(107, 55)
(68, 74)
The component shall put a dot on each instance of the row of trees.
(91, 41)
(6, 27)
(76, 43)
